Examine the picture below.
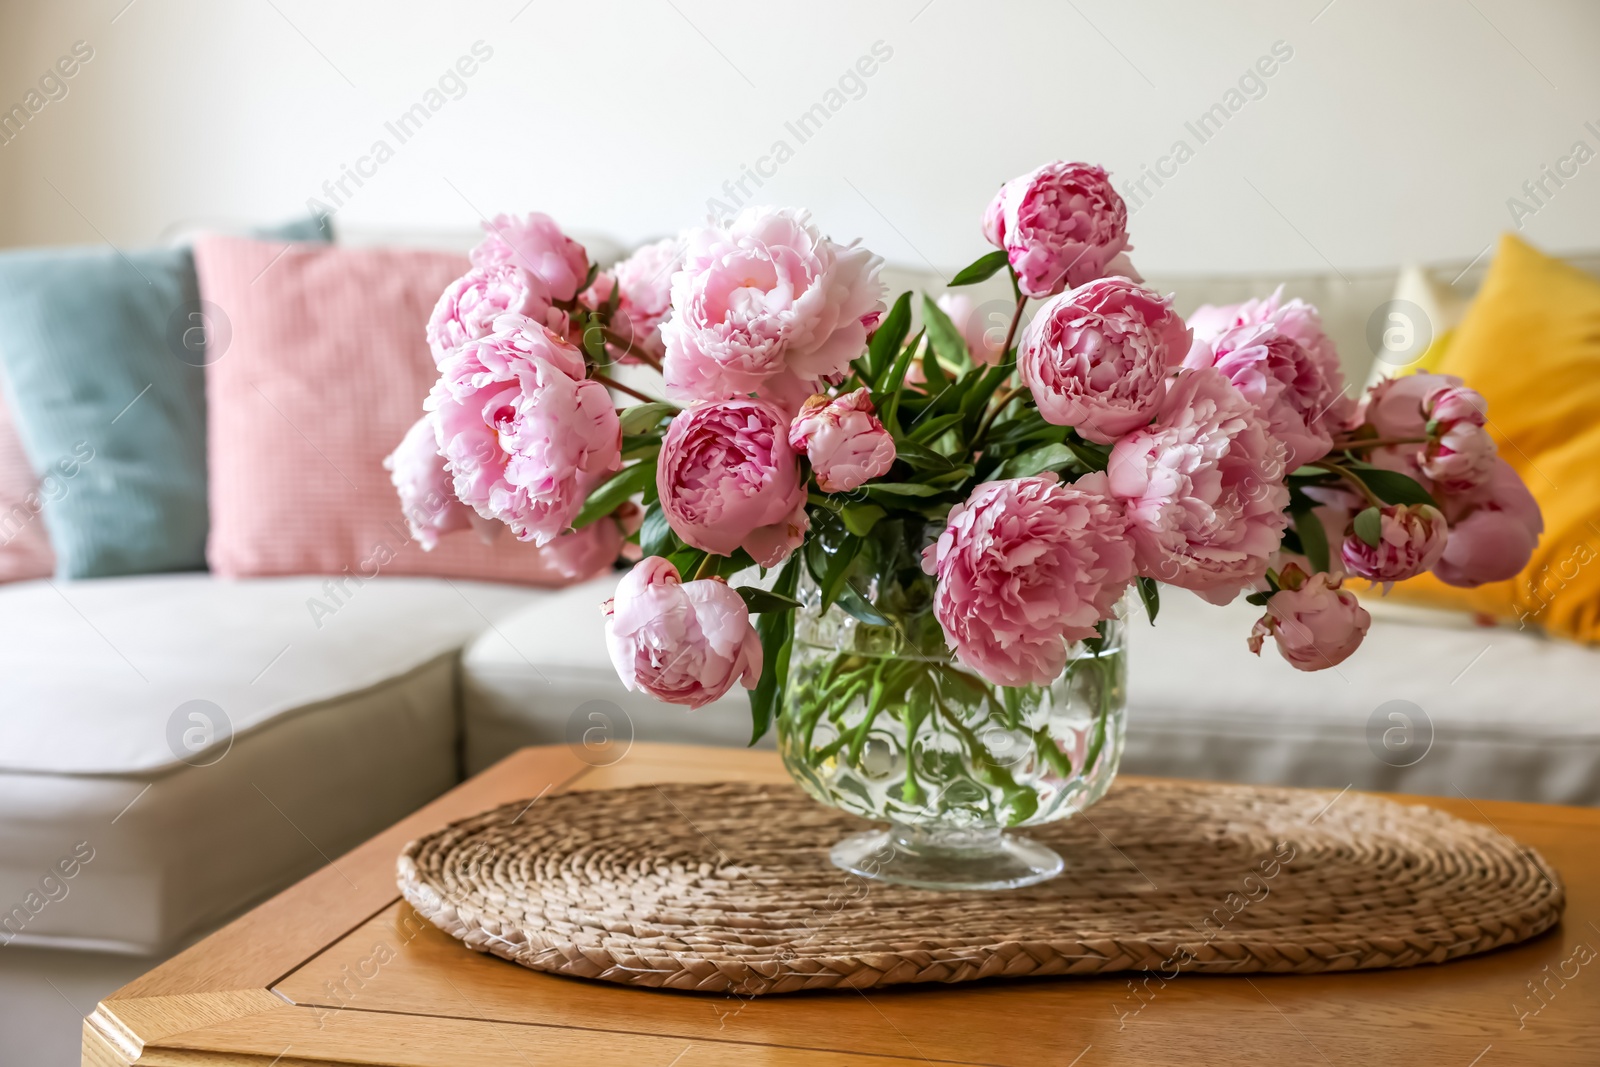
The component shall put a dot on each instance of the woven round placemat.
(728, 888)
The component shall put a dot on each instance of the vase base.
(965, 860)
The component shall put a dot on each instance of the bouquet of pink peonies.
(803, 427)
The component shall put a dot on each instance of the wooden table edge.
(190, 997)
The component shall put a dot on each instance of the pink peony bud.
(1026, 566)
(1097, 357)
(524, 435)
(1439, 424)
(1060, 225)
(1460, 459)
(844, 440)
(1493, 531)
(1411, 538)
(1456, 403)
(765, 303)
(1316, 623)
(1460, 455)
(729, 480)
(580, 554)
(1204, 488)
(681, 642)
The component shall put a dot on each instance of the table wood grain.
(337, 969)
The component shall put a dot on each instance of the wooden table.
(338, 970)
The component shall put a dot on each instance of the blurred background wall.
(1384, 132)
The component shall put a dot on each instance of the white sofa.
(173, 815)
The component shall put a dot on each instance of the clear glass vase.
(878, 720)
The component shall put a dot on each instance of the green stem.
(616, 340)
(612, 383)
(989, 416)
(858, 739)
(1051, 753)
(992, 772)
(1360, 486)
(1016, 318)
(910, 791)
(1378, 442)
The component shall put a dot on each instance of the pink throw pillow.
(326, 370)
(24, 545)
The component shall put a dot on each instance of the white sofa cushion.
(336, 731)
(1438, 710)
(1511, 714)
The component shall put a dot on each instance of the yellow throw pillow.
(1531, 345)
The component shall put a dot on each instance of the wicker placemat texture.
(727, 888)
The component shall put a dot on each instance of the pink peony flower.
(1411, 539)
(467, 310)
(1203, 487)
(524, 435)
(681, 642)
(1450, 452)
(983, 338)
(644, 285)
(1026, 566)
(1460, 454)
(844, 440)
(1316, 623)
(1097, 357)
(580, 554)
(1284, 382)
(1061, 225)
(1493, 531)
(764, 305)
(426, 499)
(537, 245)
(1295, 319)
(1457, 404)
(729, 480)
(1460, 459)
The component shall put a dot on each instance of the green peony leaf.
(921, 457)
(943, 335)
(611, 494)
(859, 519)
(643, 418)
(760, 601)
(885, 344)
(1313, 539)
(1150, 594)
(776, 631)
(1368, 525)
(893, 490)
(655, 535)
(980, 269)
(1026, 465)
(1392, 487)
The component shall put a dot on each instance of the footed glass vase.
(879, 720)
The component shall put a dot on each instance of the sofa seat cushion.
(1438, 710)
(184, 745)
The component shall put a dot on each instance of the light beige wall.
(1395, 131)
